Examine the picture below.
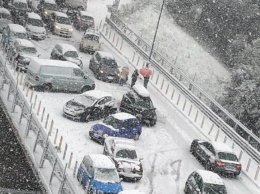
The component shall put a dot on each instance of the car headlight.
(57, 27)
(46, 12)
(101, 71)
(71, 29)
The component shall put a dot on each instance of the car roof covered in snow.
(34, 15)
(97, 94)
(50, 1)
(67, 47)
(60, 14)
(17, 28)
(131, 192)
(105, 55)
(221, 147)
(24, 42)
(22, 1)
(123, 116)
(102, 161)
(141, 90)
(210, 177)
(3, 10)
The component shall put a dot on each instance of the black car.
(45, 8)
(216, 156)
(83, 21)
(203, 181)
(137, 102)
(104, 67)
(90, 105)
(18, 9)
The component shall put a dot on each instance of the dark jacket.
(135, 75)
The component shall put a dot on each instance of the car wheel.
(152, 123)
(136, 137)
(90, 65)
(186, 189)
(208, 166)
(80, 48)
(47, 87)
(85, 88)
(87, 118)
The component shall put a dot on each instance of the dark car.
(18, 10)
(84, 21)
(46, 7)
(66, 52)
(203, 181)
(104, 66)
(116, 125)
(124, 153)
(216, 156)
(91, 105)
(137, 101)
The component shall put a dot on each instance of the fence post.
(179, 97)
(46, 145)
(133, 57)
(211, 128)
(52, 172)
(28, 123)
(157, 79)
(117, 41)
(173, 91)
(59, 148)
(257, 172)
(225, 139)
(248, 164)
(56, 135)
(75, 168)
(216, 138)
(121, 45)
(47, 120)
(35, 99)
(51, 128)
(240, 155)
(65, 151)
(39, 107)
(63, 180)
(36, 141)
(190, 110)
(138, 59)
(114, 37)
(196, 116)
(167, 88)
(202, 123)
(162, 84)
(22, 111)
(71, 155)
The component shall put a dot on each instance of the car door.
(125, 130)
(202, 150)
(207, 150)
(126, 104)
(77, 79)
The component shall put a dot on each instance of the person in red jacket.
(146, 73)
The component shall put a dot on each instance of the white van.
(48, 75)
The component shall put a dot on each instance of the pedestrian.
(134, 77)
(146, 73)
(124, 75)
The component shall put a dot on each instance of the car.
(60, 24)
(216, 156)
(5, 18)
(18, 9)
(137, 102)
(91, 41)
(45, 8)
(84, 21)
(116, 125)
(97, 174)
(90, 105)
(21, 52)
(104, 67)
(66, 52)
(123, 153)
(131, 192)
(203, 181)
(73, 4)
(35, 26)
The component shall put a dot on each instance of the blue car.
(98, 175)
(116, 125)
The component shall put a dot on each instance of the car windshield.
(20, 5)
(28, 50)
(109, 62)
(35, 22)
(227, 156)
(214, 189)
(106, 175)
(85, 17)
(115, 123)
(72, 54)
(91, 37)
(5, 16)
(63, 20)
(126, 154)
(51, 7)
(86, 101)
(145, 103)
(19, 35)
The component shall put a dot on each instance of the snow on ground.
(172, 42)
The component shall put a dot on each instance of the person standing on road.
(146, 73)
(134, 77)
(124, 75)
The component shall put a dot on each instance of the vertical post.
(39, 107)
(240, 155)
(46, 145)
(28, 123)
(216, 138)
(162, 84)
(133, 57)
(47, 120)
(36, 140)
(75, 168)
(257, 172)
(117, 41)
(59, 148)
(184, 104)
(196, 116)
(63, 180)
(51, 128)
(100, 24)
(173, 91)
(21, 79)
(179, 97)
(167, 88)
(56, 135)
(27, 92)
(71, 155)
(157, 79)
(35, 99)
(31, 96)
(114, 37)
(65, 151)
(225, 139)
(138, 59)
(109, 33)
(22, 112)
(121, 45)
(53, 169)
(211, 128)
(202, 122)
(190, 110)
(248, 164)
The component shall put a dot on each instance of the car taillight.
(37, 78)
(239, 166)
(219, 163)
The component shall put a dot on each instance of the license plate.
(230, 168)
(110, 77)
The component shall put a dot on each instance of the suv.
(35, 26)
(216, 156)
(97, 174)
(203, 181)
(60, 24)
(46, 7)
(21, 51)
(104, 66)
(138, 102)
(90, 105)
(84, 21)
(90, 42)
(5, 18)
(124, 154)
(66, 52)
(117, 125)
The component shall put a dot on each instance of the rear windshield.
(19, 35)
(63, 20)
(51, 7)
(227, 156)
(126, 154)
(214, 189)
(5, 16)
(35, 22)
(20, 5)
(109, 62)
(73, 54)
(91, 37)
(145, 103)
(59, 71)
(85, 17)
(115, 123)
(28, 49)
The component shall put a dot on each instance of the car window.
(106, 175)
(73, 54)
(35, 22)
(227, 156)
(209, 147)
(57, 71)
(198, 181)
(109, 62)
(63, 20)
(126, 153)
(214, 188)
(91, 37)
(115, 123)
(78, 73)
(144, 103)
(58, 48)
(5, 16)
(98, 57)
(20, 5)
(102, 101)
(51, 7)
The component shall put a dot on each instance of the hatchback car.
(90, 42)
(137, 101)
(21, 52)
(216, 156)
(97, 174)
(66, 52)
(5, 18)
(46, 7)
(90, 105)
(60, 24)
(203, 181)
(84, 21)
(116, 125)
(35, 26)
(104, 66)
(123, 152)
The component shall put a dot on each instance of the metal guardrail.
(193, 92)
(42, 139)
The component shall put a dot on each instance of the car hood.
(66, 26)
(28, 55)
(107, 187)
(110, 71)
(36, 29)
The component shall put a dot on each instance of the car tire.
(136, 137)
(47, 87)
(85, 88)
(87, 118)
(186, 189)
(90, 65)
